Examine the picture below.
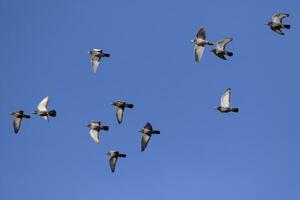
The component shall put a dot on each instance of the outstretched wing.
(95, 62)
(112, 163)
(119, 113)
(145, 141)
(225, 99)
(95, 135)
(222, 43)
(43, 104)
(277, 18)
(17, 124)
(198, 51)
(201, 33)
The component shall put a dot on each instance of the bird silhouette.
(96, 55)
(147, 132)
(220, 49)
(199, 43)
(42, 110)
(120, 106)
(224, 107)
(17, 119)
(113, 158)
(276, 24)
(95, 127)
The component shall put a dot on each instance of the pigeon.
(200, 42)
(120, 106)
(95, 129)
(276, 23)
(96, 55)
(18, 116)
(113, 157)
(225, 103)
(43, 111)
(147, 131)
(220, 49)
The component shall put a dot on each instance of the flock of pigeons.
(96, 126)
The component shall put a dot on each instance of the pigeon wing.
(119, 113)
(198, 51)
(225, 99)
(43, 104)
(201, 33)
(95, 63)
(112, 163)
(145, 141)
(17, 124)
(277, 18)
(95, 135)
(222, 43)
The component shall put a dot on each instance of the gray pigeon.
(224, 107)
(147, 131)
(276, 23)
(95, 127)
(113, 157)
(120, 106)
(220, 49)
(42, 110)
(200, 42)
(96, 55)
(18, 116)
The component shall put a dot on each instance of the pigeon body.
(18, 116)
(96, 55)
(113, 157)
(224, 107)
(147, 131)
(200, 42)
(120, 106)
(42, 109)
(220, 49)
(276, 24)
(95, 127)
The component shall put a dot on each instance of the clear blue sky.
(201, 153)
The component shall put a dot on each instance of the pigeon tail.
(122, 155)
(52, 113)
(228, 53)
(155, 132)
(129, 105)
(105, 55)
(106, 128)
(234, 109)
(287, 26)
(210, 43)
(27, 116)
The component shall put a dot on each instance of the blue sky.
(200, 154)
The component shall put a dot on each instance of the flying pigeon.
(18, 116)
(225, 103)
(95, 130)
(147, 131)
(43, 111)
(220, 49)
(120, 106)
(200, 42)
(96, 55)
(113, 157)
(276, 23)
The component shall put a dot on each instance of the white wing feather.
(43, 104)
(225, 99)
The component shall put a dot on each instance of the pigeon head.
(193, 41)
(269, 24)
(34, 112)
